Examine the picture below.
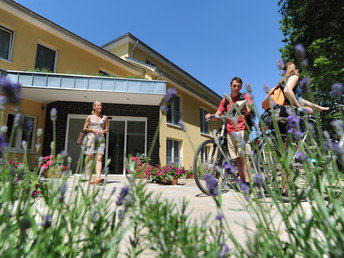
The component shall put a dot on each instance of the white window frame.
(10, 53)
(51, 48)
(172, 152)
(205, 124)
(172, 109)
(18, 141)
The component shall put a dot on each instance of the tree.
(318, 26)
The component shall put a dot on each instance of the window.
(204, 126)
(6, 43)
(205, 154)
(23, 133)
(173, 152)
(45, 58)
(149, 63)
(173, 114)
(102, 73)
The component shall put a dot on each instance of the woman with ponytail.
(96, 125)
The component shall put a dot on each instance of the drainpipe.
(132, 51)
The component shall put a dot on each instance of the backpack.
(275, 97)
(252, 115)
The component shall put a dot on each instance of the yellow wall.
(70, 59)
(31, 108)
(190, 109)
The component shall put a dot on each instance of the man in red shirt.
(238, 136)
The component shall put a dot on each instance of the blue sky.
(212, 40)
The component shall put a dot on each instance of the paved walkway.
(234, 205)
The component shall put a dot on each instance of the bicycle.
(298, 172)
(210, 158)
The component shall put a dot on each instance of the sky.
(213, 41)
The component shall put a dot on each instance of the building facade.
(61, 70)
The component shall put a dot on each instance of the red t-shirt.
(231, 127)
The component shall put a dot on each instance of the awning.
(50, 87)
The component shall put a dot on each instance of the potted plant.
(166, 175)
(52, 168)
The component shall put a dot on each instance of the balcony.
(49, 87)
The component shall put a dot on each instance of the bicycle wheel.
(209, 159)
(280, 176)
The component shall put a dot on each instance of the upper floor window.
(173, 114)
(102, 73)
(22, 133)
(173, 153)
(6, 43)
(147, 61)
(45, 58)
(204, 126)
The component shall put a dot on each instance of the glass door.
(115, 146)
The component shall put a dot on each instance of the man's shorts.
(238, 144)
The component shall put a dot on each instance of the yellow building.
(61, 70)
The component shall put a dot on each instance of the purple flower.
(245, 188)
(12, 91)
(2, 102)
(224, 251)
(3, 142)
(164, 109)
(212, 184)
(338, 126)
(229, 168)
(304, 63)
(300, 156)
(182, 125)
(293, 127)
(47, 221)
(171, 92)
(94, 216)
(28, 124)
(304, 84)
(113, 190)
(300, 52)
(280, 64)
(219, 216)
(120, 214)
(337, 90)
(258, 180)
(120, 198)
(248, 87)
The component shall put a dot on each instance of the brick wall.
(64, 108)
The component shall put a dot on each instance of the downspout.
(132, 51)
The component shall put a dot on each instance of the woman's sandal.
(99, 181)
(92, 182)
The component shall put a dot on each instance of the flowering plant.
(49, 163)
(166, 173)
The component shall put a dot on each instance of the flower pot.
(190, 176)
(51, 174)
(174, 181)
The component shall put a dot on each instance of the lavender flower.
(164, 109)
(94, 216)
(258, 180)
(293, 127)
(3, 129)
(300, 156)
(304, 84)
(300, 52)
(18, 119)
(224, 251)
(12, 91)
(113, 190)
(63, 190)
(171, 92)
(120, 199)
(53, 114)
(120, 214)
(2, 102)
(338, 126)
(212, 184)
(39, 132)
(280, 64)
(3, 142)
(337, 90)
(229, 167)
(47, 221)
(219, 216)
(182, 125)
(304, 63)
(249, 87)
(24, 144)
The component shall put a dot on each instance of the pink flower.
(11, 162)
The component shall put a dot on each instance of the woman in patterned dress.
(96, 125)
